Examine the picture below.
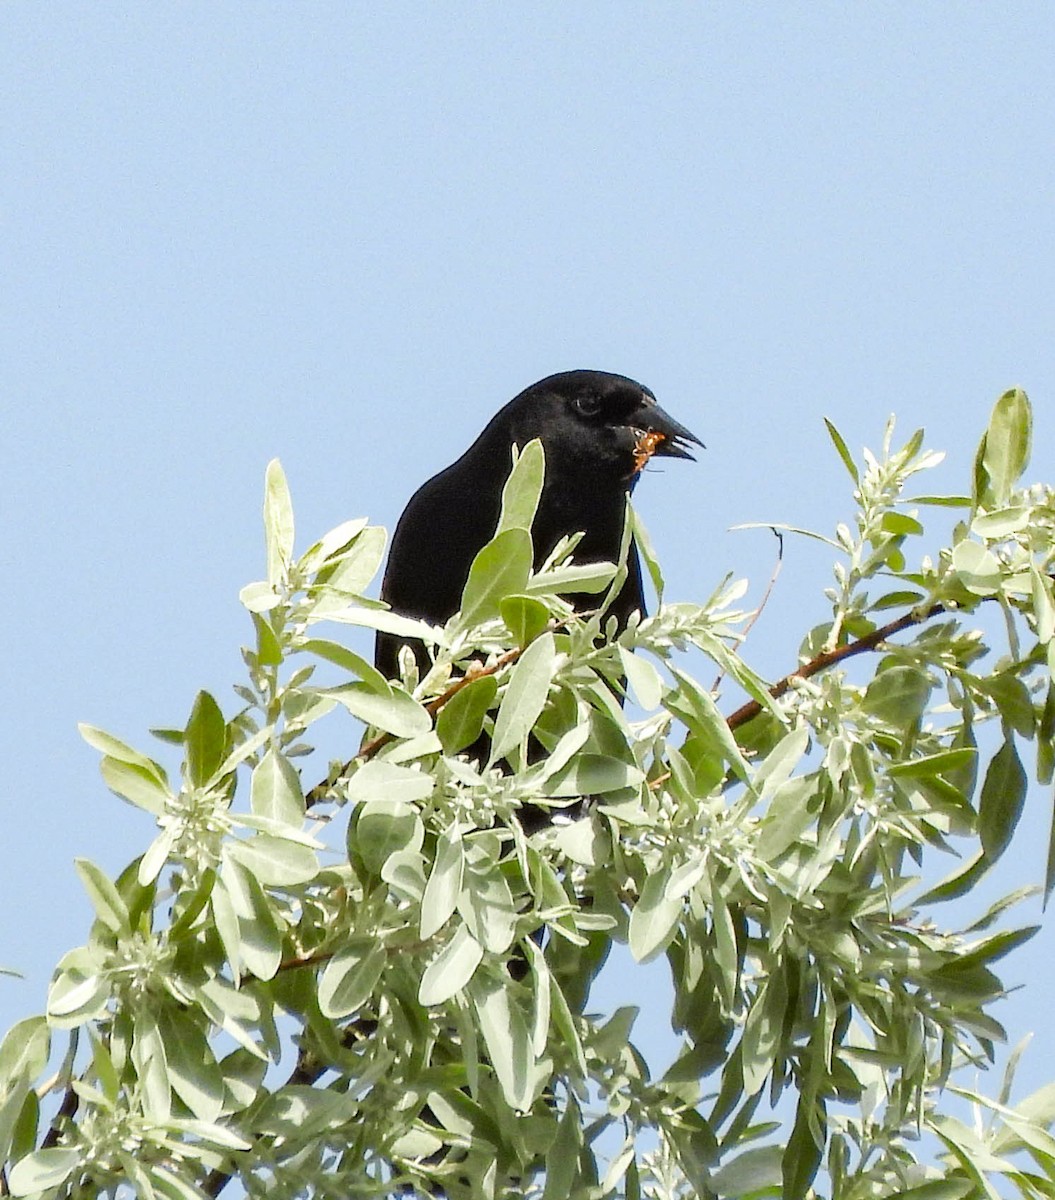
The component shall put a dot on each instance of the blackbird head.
(603, 426)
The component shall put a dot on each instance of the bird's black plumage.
(591, 425)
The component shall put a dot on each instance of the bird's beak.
(661, 434)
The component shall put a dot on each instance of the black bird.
(598, 430)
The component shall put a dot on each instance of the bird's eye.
(588, 404)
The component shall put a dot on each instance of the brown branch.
(829, 658)
(68, 1108)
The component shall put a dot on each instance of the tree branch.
(829, 658)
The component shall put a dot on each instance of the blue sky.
(344, 234)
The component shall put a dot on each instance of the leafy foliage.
(411, 1011)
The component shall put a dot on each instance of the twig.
(829, 658)
(763, 602)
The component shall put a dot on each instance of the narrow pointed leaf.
(1003, 795)
(278, 523)
(523, 488)
(451, 969)
(842, 448)
(275, 791)
(461, 720)
(205, 739)
(500, 569)
(525, 696)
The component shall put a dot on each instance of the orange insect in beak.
(647, 445)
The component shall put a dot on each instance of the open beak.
(659, 433)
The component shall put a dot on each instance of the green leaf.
(592, 774)
(977, 568)
(157, 854)
(525, 696)
(1049, 872)
(275, 791)
(1012, 699)
(193, 1071)
(461, 720)
(1006, 447)
(995, 947)
(278, 523)
(107, 902)
(42, 1170)
(259, 938)
(138, 785)
(960, 881)
(802, 1156)
(444, 885)
(591, 577)
(384, 620)
(900, 524)
(899, 599)
(898, 696)
(405, 871)
(274, 861)
(562, 1158)
(350, 978)
(727, 957)
(844, 452)
(186, 908)
(646, 550)
(749, 1173)
(524, 617)
(934, 765)
(523, 488)
(500, 569)
(338, 539)
(390, 783)
(776, 768)
(939, 1189)
(226, 921)
(508, 1041)
(1000, 806)
(24, 1050)
(654, 919)
(451, 969)
(346, 659)
(351, 572)
(485, 901)
(696, 707)
(113, 747)
(940, 501)
(151, 1063)
(259, 597)
(645, 680)
(79, 990)
(205, 739)
(389, 708)
(762, 1029)
(383, 828)
(1039, 1106)
(1043, 605)
(170, 1185)
(1000, 524)
(18, 1106)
